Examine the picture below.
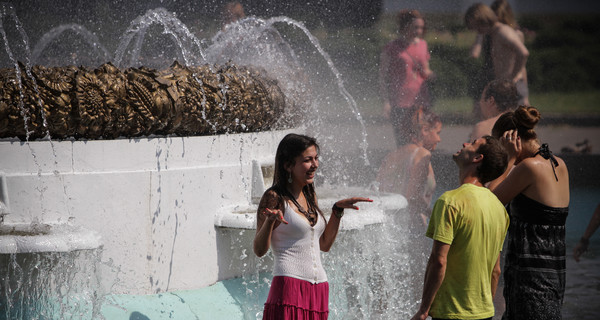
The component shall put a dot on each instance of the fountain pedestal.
(151, 200)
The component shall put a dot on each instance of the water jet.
(153, 174)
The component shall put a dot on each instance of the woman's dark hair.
(523, 120)
(504, 92)
(404, 18)
(290, 147)
(495, 160)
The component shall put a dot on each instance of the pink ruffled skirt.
(295, 299)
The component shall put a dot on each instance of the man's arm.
(496, 276)
(476, 47)
(583, 243)
(434, 276)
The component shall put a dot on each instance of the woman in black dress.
(536, 184)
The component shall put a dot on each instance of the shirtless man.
(508, 52)
(498, 96)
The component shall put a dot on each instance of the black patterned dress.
(535, 269)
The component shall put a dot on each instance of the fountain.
(108, 103)
(130, 191)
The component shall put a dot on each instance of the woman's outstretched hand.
(331, 230)
(349, 203)
(275, 214)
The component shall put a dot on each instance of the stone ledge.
(35, 238)
(243, 217)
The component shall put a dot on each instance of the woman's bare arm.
(268, 216)
(475, 51)
(519, 178)
(333, 225)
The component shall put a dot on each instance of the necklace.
(311, 215)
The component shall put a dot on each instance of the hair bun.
(527, 117)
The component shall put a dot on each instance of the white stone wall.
(152, 200)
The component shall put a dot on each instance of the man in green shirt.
(468, 226)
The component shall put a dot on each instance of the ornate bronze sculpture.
(108, 103)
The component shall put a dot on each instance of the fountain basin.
(174, 213)
(36, 238)
(151, 200)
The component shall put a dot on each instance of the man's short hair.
(495, 160)
(504, 92)
(480, 14)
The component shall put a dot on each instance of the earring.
(290, 178)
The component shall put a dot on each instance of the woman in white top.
(289, 220)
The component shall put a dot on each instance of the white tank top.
(296, 248)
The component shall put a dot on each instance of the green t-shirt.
(473, 222)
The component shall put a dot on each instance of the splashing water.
(257, 42)
(373, 273)
(251, 41)
(191, 48)
(91, 39)
(52, 285)
(7, 10)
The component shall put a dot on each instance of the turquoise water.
(215, 302)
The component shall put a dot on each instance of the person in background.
(497, 97)
(505, 15)
(468, 226)
(536, 184)
(503, 45)
(481, 48)
(408, 171)
(232, 12)
(290, 222)
(584, 242)
(403, 72)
